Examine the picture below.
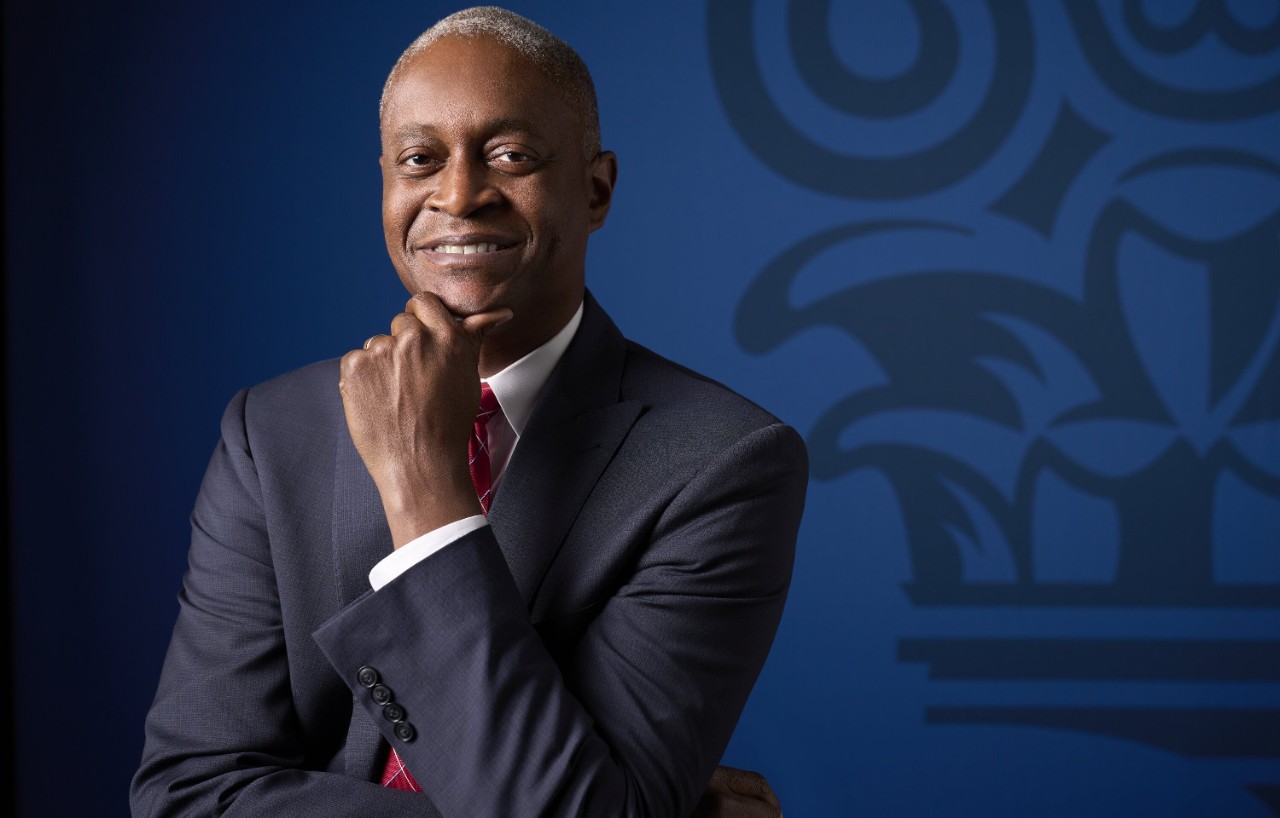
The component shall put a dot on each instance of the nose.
(463, 187)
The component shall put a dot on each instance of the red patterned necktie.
(395, 775)
(478, 446)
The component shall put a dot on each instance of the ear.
(603, 176)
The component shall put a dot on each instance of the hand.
(410, 400)
(735, 793)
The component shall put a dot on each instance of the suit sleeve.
(223, 736)
(633, 721)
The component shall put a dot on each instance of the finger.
(748, 783)
(729, 805)
(346, 368)
(404, 321)
(483, 323)
(430, 310)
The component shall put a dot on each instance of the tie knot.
(488, 404)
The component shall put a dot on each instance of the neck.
(515, 339)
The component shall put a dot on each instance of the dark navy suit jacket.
(588, 653)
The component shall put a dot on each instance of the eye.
(513, 159)
(417, 160)
(513, 156)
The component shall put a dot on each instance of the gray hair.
(552, 55)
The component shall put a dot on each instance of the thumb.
(481, 323)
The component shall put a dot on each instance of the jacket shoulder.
(298, 408)
(671, 388)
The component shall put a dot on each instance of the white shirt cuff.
(417, 550)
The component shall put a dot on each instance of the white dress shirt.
(516, 388)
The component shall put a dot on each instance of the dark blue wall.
(1013, 268)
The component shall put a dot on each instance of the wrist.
(413, 512)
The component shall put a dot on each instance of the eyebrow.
(496, 126)
(521, 126)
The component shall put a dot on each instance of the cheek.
(394, 212)
(400, 226)
(396, 227)
(399, 207)
(566, 226)
(555, 214)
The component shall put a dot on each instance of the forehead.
(461, 82)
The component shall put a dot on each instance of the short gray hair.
(552, 55)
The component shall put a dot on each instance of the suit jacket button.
(405, 731)
(367, 676)
(393, 712)
(381, 694)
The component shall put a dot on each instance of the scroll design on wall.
(1077, 387)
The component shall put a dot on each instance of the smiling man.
(398, 606)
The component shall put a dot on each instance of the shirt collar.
(517, 386)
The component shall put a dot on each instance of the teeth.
(482, 247)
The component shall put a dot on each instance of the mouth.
(466, 245)
(465, 249)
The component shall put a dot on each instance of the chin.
(461, 299)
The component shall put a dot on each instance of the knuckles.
(347, 366)
(411, 345)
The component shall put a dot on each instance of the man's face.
(487, 198)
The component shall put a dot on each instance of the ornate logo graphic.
(1072, 303)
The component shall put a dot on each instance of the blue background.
(1013, 269)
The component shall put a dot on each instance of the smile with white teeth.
(482, 247)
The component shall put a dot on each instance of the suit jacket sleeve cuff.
(417, 550)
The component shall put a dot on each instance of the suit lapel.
(576, 428)
(547, 484)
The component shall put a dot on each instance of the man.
(584, 649)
